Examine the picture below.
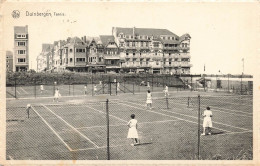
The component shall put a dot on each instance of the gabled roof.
(144, 31)
(170, 41)
(182, 38)
(46, 47)
(105, 39)
(21, 29)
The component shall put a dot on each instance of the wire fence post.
(69, 89)
(109, 85)
(167, 102)
(116, 87)
(92, 83)
(241, 84)
(28, 112)
(198, 127)
(73, 89)
(152, 82)
(124, 85)
(35, 88)
(133, 88)
(15, 87)
(228, 83)
(188, 102)
(107, 116)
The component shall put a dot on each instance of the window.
(127, 53)
(156, 44)
(176, 59)
(21, 52)
(70, 50)
(169, 38)
(133, 53)
(7, 65)
(99, 59)
(157, 62)
(170, 63)
(22, 60)
(70, 59)
(21, 36)
(21, 44)
(182, 44)
(80, 59)
(7, 61)
(80, 50)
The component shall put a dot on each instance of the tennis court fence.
(44, 85)
(171, 130)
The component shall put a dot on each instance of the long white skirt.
(132, 133)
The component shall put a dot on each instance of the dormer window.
(21, 36)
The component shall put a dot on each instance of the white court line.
(249, 114)
(109, 114)
(10, 157)
(102, 147)
(250, 131)
(71, 90)
(52, 129)
(202, 118)
(24, 90)
(171, 116)
(226, 102)
(214, 121)
(17, 91)
(90, 127)
(70, 126)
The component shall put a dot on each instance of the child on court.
(118, 87)
(207, 123)
(148, 86)
(56, 95)
(166, 92)
(41, 88)
(132, 132)
(85, 90)
(95, 89)
(149, 99)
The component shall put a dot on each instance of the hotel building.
(21, 48)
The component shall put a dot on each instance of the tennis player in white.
(207, 122)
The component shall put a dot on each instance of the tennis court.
(76, 129)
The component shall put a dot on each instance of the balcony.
(111, 57)
(184, 48)
(145, 56)
(185, 64)
(185, 55)
(129, 56)
(176, 64)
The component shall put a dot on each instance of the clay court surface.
(75, 128)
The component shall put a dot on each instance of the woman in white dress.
(132, 132)
(207, 122)
(41, 88)
(149, 100)
(56, 95)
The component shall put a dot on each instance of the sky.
(221, 33)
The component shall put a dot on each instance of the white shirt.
(132, 123)
(207, 114)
